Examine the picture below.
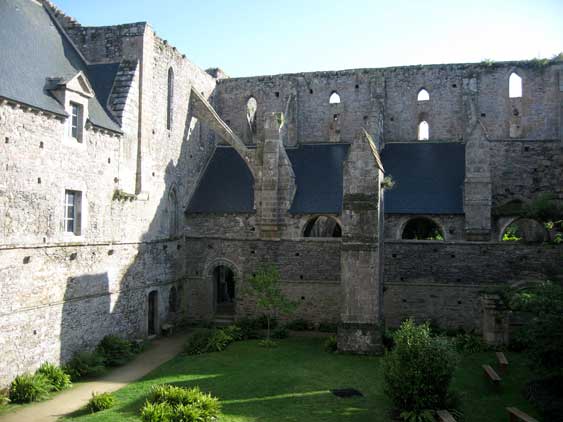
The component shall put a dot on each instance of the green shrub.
(100, 401)
(57, 377)
(469, 344)
(85, 364)
(27, 388)
(204, 340)
(115, 350)
(267, 343)
(157, 412)
(330, 344)
(178, 404)
(219, 341)
(4, 396)
(425, 415)
(234, 332)
(418, 371)
(248, 329)
(299, 325)
(280, 333)
(328, 327)
(387, 338)
(542, 333)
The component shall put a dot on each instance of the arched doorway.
(152, 314)
(524, 230)
(322, 226)
(224, 286)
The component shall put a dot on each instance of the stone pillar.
(275, 186)
(361, 320)
(477, 187)
(495, 322)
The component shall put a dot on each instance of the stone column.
(477, 187)
(361, 320)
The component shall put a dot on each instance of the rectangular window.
(75, 124)
(72, 211)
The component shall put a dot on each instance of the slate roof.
(226, 186)
(33, 49)
(429, 177)
(318, 176)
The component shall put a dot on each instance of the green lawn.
(291, 383)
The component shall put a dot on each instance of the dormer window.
(76, 121)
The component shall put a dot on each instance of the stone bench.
(491, 374)
(516, 415)
(445, 416)
(502, 361)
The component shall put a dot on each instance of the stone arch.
(523, 229)
(334, 98)
(421, 228)
(211, 268)
(423, 95)
(322, 226)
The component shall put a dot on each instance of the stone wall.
(60, 299)
(443, 281)
(309, 270)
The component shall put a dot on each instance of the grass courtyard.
(292, 383)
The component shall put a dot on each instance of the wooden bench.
(502, 361)
(491, 374)
(516, 415)
(445, 416)
(167, 329)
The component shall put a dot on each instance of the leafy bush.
(267, 343)
(198, 341)
(425, 415)
(4, 396)
(115, 350)
(469, 344)
(85, 364)
(158, 412)
(330, 344)
(418, 371)
(543, 339)
(328, 327)
(219, 341)
(100, 401)
(27, 388)
(280, 333)
(249, 328)
(178, 404)
(299, 325)
(57, 377)
(204, 340)
(387, 338)
(234, 332)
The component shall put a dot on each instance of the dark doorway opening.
(224, 280)
(153, 313)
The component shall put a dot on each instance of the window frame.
(72, 224)
(75, 121)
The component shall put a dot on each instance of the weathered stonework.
(62, 293)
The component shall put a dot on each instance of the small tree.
(265, 286)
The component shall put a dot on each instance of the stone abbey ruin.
(139, 190)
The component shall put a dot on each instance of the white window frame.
(75, 121)
(76, 217)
